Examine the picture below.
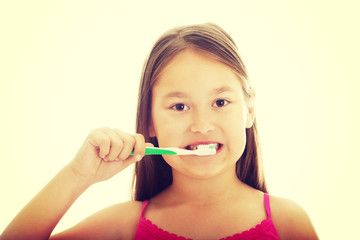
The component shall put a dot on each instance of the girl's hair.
(153, 174)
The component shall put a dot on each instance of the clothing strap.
(267, 204)
(145, 203)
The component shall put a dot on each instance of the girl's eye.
(221, 103)
(180, 107)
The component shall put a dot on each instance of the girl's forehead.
(191, 68)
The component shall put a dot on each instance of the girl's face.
(197, 100)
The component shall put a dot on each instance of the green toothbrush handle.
(157, 151)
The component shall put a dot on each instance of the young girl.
(194, 91)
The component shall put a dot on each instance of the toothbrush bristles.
(209, 146)
(206, 149)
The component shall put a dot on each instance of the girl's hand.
(105, 153)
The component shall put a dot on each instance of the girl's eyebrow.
(177, 94)
(222, 89)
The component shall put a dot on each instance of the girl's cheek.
(236, 135)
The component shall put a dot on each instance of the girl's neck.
(204, 191)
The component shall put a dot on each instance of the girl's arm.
(104, 153)
(40, 216)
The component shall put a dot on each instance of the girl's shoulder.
(290, 219)
(118, 221)
(125, 218)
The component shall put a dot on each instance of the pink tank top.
(263, 231)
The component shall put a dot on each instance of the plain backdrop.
(67, 67)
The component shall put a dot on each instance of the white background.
(67, 67)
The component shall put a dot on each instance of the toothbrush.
(202, 150)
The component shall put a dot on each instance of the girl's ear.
(250, 109)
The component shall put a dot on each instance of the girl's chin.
(203, 167)
(206, 172)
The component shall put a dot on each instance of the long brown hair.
(153, 174)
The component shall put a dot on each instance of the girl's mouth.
(217, 146)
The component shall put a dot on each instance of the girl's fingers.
(101, 141)
(149, 145)
(139, 147)
(129, 142)
(103, 145)
(134, 143)
(116, 144)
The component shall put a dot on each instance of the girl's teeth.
(192, 147)
(195, 147)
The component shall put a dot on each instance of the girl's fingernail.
(138, 157)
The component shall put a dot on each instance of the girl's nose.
(202, 123)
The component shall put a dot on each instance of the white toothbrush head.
(203, 150)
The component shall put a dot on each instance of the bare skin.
(104, 153)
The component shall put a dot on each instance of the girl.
(194, 91)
